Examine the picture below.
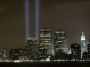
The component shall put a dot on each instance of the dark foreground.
(46, 64)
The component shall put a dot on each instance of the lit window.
(48, 35)
(42, 35)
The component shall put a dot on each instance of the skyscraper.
(89, 51)
(44, 43)
(75, 51)
(83, 43)
(60, 43)
(32, 44)
(85, 56)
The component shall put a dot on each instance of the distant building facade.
(20, 54)
(32, 44)
(75, 51)
(60, 43)
(44, 43)
(89, 51)
(83, 44)
(85, 56)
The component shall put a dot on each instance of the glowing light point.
(48, 59)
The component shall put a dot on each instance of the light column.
(37, 18)
(27, 19)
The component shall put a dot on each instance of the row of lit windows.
(45, 30)
(60, 37)
(44, 39)
(45, 35)
(47, 44)
(59, 41)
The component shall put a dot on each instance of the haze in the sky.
(72, 16)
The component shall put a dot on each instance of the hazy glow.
(48, 59)
(17, 61)
(69, 51)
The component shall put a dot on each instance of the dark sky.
(70, 15)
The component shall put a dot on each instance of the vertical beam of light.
(26, 8)
(37, 18)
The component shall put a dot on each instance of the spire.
(82, 33)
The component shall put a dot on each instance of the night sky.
(72, 16)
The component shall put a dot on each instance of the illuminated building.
(60, 43)
(75, 51)
(83, 43)
(20, 54)
(44, 43)
(29, 52)
(14, 54)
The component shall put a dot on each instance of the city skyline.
(72, 16)
(47, 49)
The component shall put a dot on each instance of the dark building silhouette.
(89, 51)
(32, 45)
(59, 42)
(85, 56)
(75, 51)
(20, 54)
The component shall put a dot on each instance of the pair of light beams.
(27, 18)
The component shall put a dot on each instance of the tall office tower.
(44, 43)
(32, 45)
(89, 40)
(75, 51)
(60, 43)
(89, 51)
(83, 43)
(88, 48)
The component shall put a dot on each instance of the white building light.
(83, 36)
